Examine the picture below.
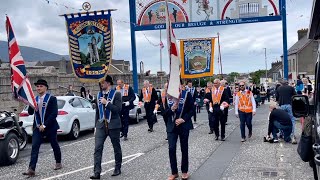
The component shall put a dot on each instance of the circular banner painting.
(155, 13)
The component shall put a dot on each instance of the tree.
(256, 76)
(232, 75)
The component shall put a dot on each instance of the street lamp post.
(265, 58)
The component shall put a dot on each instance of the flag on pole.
(174, 79)
(20, 84)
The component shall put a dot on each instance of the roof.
(299, 45)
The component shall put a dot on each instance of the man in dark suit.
(149, 95)
(108, 123)
(195, 95)
(224, 83)
(179, 113)
(128, 97)
(216, 99)
(44, 125)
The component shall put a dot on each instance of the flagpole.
(220, 53)
(161, 45)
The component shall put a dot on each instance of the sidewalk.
(254, 159)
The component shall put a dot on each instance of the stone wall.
(58, 84)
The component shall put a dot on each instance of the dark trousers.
(245, 119)
(37, 139)
(287, 130)
(195, 113)
(217, 118)
(211, 124)
(198, 109)
(149, 114)
(125, 121)
(100, 137)
(172, 140)
(225, 114)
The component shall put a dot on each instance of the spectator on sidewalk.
(299, 85)
(283, 95)
(279, 120)
(70, 91)
(83, 91)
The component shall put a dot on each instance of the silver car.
(137, 113)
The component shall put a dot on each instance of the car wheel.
(75, 130)
(9, 148)
(23, 140)
(137, 120)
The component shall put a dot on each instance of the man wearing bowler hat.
(44, 125)
(108, 123)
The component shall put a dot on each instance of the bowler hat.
(41, 82)
(109, 79)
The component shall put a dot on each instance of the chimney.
(302, 33)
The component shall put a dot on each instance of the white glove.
(221, 108)
(126, 103)
(211, 109)
(155, 112)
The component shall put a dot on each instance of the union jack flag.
(20, 84)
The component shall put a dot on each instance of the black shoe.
(95, 177)
(211, 132)
(125, 138)
(116, 172)
(150, 130)
(217, 138)
(166, 139)
(226, 123)
(121, 135)
(223, 138)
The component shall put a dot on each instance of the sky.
(38, 24)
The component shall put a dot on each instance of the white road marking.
(132, 157)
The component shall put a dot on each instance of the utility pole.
(161, 58)
(265, 58)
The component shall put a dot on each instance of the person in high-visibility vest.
(128, 97)
(245, 108)
(218, 100)
(149, 95)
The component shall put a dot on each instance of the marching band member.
(127, 104)
(179, 113)
(108, 123)
(150, 97)
(245, 107)
(217, 99)
(45, 124)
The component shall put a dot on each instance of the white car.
(75, 114)
(137, 112)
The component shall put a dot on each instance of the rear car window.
(61, 103)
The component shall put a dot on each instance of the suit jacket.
(130, 98)
(195, 95)
(187, 113)
(50, 121)
(115, 108)
(154, 98)
(228, 93)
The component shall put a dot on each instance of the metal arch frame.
(134, 28)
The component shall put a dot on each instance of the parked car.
(137, 113)
(75, 114)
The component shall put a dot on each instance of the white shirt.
(236, 108)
